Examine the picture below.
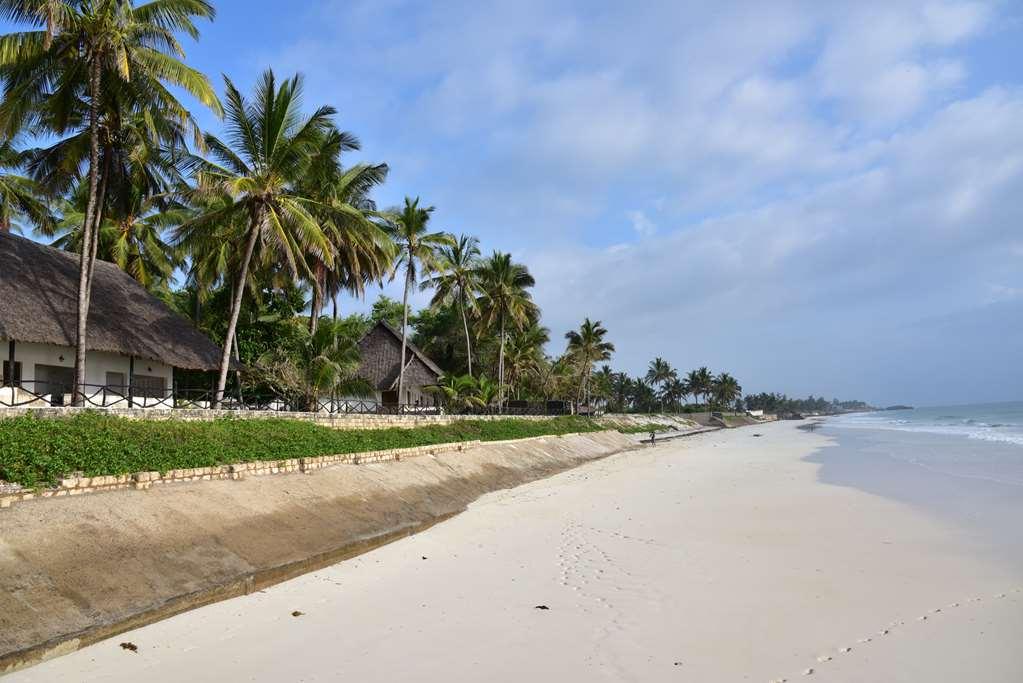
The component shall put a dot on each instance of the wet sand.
(715, 558)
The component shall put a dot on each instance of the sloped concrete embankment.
(76, 570)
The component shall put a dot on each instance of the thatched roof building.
(381, 360)
(38, 304)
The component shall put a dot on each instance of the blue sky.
(815, 196)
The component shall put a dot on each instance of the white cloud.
(642, 224)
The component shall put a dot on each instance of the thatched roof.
(39, 303)
(380, 349)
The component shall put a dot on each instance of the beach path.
(714, 558)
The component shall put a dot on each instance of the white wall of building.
(97, 364)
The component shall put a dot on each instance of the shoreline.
(717, 557)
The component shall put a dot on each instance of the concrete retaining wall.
(81, 568)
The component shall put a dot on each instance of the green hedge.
(36, 451)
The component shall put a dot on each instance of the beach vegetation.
(39, 451)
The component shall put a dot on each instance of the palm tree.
(457, 281)
(321, 363)
(660, 372)
(505, 301)
(459, 392)
(726, 389)
(604, 383)
(84, 48)
(418, 251)
(135, 242)
(524, 352)
(674, 390)
(587, 346)
(20, 196)
(361, 249)
(271, 147)
(705, 381)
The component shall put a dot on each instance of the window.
(115, 382)
(7, 379)
(149, 386)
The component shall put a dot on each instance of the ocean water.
(961, 463)
(996, 422)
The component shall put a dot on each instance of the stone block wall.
(350, 421)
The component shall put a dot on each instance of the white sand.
(714, 558)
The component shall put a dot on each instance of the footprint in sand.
(824, 658)
(808, 672)
(844, 650)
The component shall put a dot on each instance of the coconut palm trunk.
(404, 328)
(97, 221)
(316, 307)
(236, 307)
(500, 371)
(468, 343)
(85, 259)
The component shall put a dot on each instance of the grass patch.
(641, 429)
(39, 451)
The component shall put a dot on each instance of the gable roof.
(412, 347)
(39, 303)
(380, 365)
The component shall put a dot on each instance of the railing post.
(131, 381)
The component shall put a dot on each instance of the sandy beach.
(718, 557)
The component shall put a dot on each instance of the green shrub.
(38, 451)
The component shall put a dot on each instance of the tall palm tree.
(604, 383)
(418, 252)
(673, 391)
(524, 353)
(361, 249)
(587, 346)
(659, 372)
(83, 48)
(271, 147)
(457, 281)
(701, 382)
(20, 196)
(726, 389)
(504, 301)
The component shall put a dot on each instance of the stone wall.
(352, 421)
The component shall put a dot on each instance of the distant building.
(134, 340)
(755, 413)
(381, 362)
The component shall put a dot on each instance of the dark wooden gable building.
(381, 361)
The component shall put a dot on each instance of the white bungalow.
(134, 340)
